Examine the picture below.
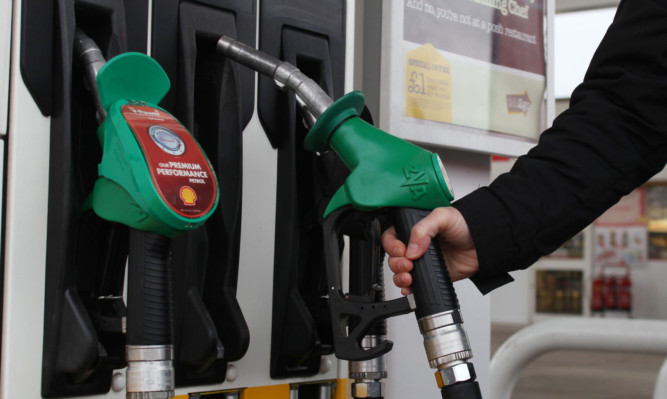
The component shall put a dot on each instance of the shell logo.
(188, 195)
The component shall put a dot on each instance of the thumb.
(422, 234)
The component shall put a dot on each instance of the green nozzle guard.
(385, 171)
(153, 175)
(133, 76)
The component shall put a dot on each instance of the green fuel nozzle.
(387, 175)
(385, 170)
(153, 175)
(155, 178)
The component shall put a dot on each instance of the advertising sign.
(476, 67)
(479, 63)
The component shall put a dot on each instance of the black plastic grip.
(148, 290)
(432, 287)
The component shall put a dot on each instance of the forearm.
(611, 140)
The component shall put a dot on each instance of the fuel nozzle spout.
(312, 100)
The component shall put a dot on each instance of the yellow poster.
(428, 88)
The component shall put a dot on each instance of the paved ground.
(583, 375)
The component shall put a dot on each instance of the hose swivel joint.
(447, 347)
(150, 372)
(368, 374)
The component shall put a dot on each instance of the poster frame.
(422, 131)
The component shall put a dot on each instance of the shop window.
(559, 291)
(656, 210)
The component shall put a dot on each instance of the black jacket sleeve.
(612, 139)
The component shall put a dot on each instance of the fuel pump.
(154, 178)
(393, 180)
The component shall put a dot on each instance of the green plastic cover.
(386, 171)
(153, 175)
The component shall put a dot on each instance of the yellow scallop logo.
(188, 195)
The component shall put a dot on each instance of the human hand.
(458, 249)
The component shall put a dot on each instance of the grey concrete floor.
(583, 374)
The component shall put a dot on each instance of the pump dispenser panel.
(47, 26)
(311, 36)
(85, 263)
(85, 314)
(214, 99)
(84, 338)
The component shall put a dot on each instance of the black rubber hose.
(149, 310)
(462, 390)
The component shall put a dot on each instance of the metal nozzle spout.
(310, 96)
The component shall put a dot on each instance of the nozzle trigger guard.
(345, 308)
(368, 312)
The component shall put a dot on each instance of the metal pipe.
(639, 336)
(660, 389)
(312, 100)
(90, 58)
(325, 390)
(368, 375)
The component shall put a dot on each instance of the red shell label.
(179, 170)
